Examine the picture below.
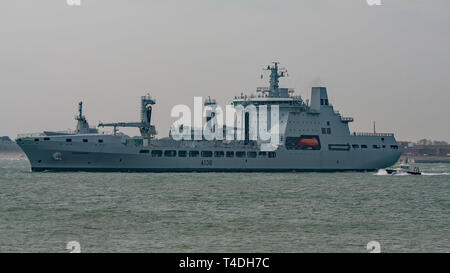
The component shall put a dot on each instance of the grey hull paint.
(212, 170)
(119, 158)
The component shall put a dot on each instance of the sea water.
(223, 212)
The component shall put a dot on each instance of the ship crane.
(147, 130)
(121, 124)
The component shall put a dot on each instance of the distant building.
(403, 145)
(431, 150)
(420, 149)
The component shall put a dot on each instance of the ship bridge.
(297, 118)
(272, 94)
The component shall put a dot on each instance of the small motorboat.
(404, 169)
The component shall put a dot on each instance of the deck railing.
(41, 134)
(30, 135)
(373, 134)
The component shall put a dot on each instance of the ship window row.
(363, 146)
(306, 122)
(378, 146)
(37, 139)
(85, 140)
(67, 140)
(220, 154)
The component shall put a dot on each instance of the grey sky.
(387, 63)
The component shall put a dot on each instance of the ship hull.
(117, 157)
(191, 170)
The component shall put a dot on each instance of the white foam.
(401, 174)
(435, 174)
(382, 172)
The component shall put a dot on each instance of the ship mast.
(275, 74)
(82, 124)
(80, 112)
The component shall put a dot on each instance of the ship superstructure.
(312, 137)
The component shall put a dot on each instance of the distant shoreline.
(427, 159)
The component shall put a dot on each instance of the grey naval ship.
(313, 137)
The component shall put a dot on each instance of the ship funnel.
(319, 98)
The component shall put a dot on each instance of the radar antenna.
(275, 74)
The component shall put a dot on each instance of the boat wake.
(383, 172)
(432, 174)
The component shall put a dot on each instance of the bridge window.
(219, 154)
(170, 153)
(194, 153)
(272, 154)
(182, 153)
(230, 154)
(363, 146)
(36, 139)
(68, 140)
(324, 131)
(240, 154)
(262, 154)
(329, 131)
(376, 147)
(156, 153)
(207, 154)
(251, 154)
(144, 151)
(355, 146)
(46, 138)
(395, 147)
(100, 141)
(85, 140)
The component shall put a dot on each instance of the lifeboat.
(308, 142)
